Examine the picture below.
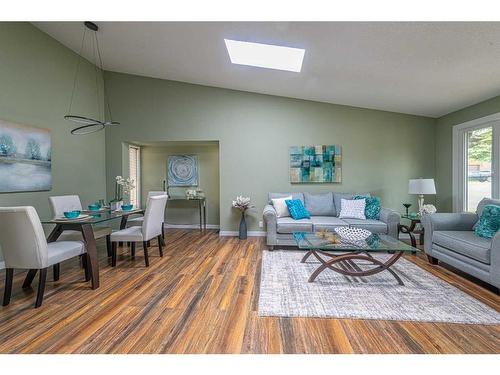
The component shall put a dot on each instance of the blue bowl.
(127, 207)
(94, 207)
(71, 214)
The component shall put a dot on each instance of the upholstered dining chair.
(137, 221)
(60, 204)
(24, 247)
(150, 228)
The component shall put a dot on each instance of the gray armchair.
(450, 238)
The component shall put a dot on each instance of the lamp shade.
(422, 186)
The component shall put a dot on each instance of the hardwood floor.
(201, 297)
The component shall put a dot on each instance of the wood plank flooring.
(201, 297)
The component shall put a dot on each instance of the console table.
(202, 207)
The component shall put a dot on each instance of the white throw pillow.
(281, 207)
(352, 209)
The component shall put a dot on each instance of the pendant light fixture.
(88, 124)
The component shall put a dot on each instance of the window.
(134, 158)
(476, 162)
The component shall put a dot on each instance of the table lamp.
(421, 186)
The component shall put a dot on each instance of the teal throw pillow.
(297, 209)
(489, 222)
(372, 208)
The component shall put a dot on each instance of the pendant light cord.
(76, 72)
(96, 70)
(106, 101)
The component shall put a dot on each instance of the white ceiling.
(420, 68)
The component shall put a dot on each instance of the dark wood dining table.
(84, 225)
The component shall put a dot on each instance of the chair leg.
(149, 243)
(41, 287)
(160, 246)
(108, 245)
(56, 268)
(163, 231)
(9, 276)
(113, 254)
(132, 249)
(85, 264)
(29, 278)
(146, 258)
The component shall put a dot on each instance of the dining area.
(74, 232)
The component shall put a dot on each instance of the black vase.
(243, 227)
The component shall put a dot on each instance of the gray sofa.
(324, 210)
(450, 238)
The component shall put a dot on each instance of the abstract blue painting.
(25, 158)
(182, 170)
(315, 164)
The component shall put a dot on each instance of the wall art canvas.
(25, 158)
(315, 164)
(182, 170)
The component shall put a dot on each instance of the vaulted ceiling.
(420, 68)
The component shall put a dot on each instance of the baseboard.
(190, 226)
(234, 233)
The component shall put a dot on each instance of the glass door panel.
(479, 159)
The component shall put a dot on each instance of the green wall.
(444, 144)
(36, 78)
(381, 150)
(154, 170)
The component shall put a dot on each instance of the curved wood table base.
(349, 267)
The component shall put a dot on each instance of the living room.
(343, 202)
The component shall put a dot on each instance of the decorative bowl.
(94, 207)
(127, 207)
(352, 234)
(71, 214)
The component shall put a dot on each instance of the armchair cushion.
(465, 243)
(489, 222)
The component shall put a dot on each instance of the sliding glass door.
(476, 163)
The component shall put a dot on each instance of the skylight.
(265, 55)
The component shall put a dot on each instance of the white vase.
(115, 206)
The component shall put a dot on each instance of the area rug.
(285, 292)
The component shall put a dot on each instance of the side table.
(411, 230)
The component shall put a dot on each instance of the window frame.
(459, 155)
(137, 180)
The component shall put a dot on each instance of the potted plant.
(123, 187)
(242, 204)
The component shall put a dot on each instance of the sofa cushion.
(327, 222)
(289, 225)
(480, 207)
(297, 209)
(374, 226)
(338, 196)
(465, 243)
(283, 195)
(320, 204)
(280, 206)
(489, 222)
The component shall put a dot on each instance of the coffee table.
(352, 258)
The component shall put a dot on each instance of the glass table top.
(184, 198)
(375, 242)
(92, 217)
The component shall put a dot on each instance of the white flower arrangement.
(242, 203)
(123, 186)
(427, 209)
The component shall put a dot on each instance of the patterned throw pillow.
(489, 223)
(297, 209)
(372, 209)
(352, 209)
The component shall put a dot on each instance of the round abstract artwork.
(183, 170)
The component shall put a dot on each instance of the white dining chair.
(137, 221)
(24, 247)
(60, 204)
(150, 228)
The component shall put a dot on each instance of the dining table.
(84, 224)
